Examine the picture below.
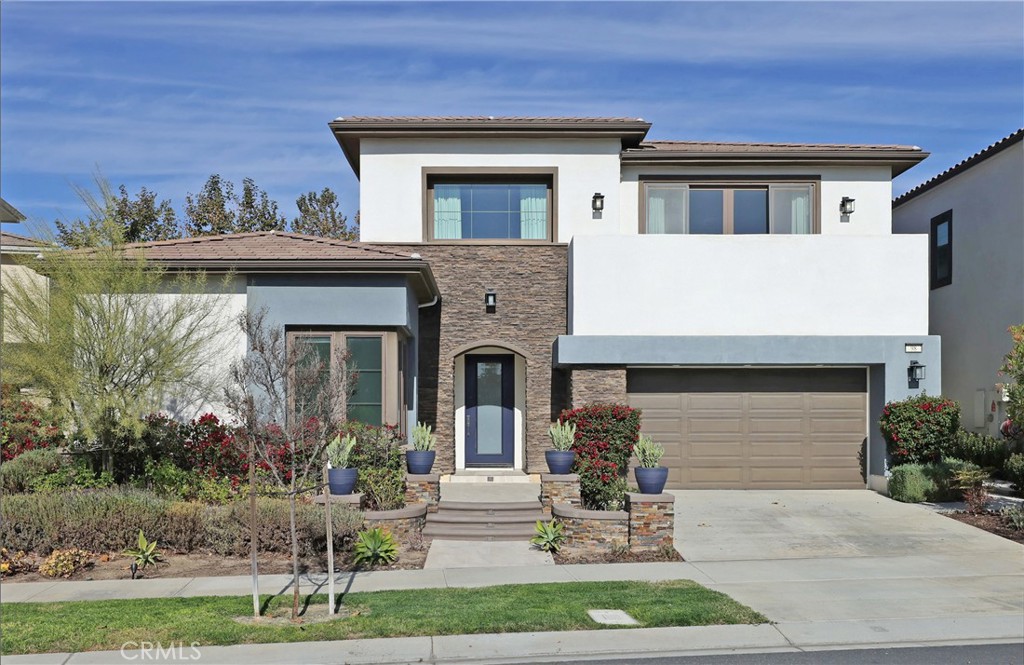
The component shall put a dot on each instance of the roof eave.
(899, 161)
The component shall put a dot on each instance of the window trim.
(733, 182)
(430, 174)
(933, 248)
(393, 399)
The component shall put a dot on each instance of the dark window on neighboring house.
(941, 254)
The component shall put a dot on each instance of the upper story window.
(728, 209)
(941, 250)
(516, 207)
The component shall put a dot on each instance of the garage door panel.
(773, 437)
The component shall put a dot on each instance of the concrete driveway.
(848, 556)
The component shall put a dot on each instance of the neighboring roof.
(9, 213)
(276, 251)
(349, 131)
(957, 169)
(13, 240)
(898, 157)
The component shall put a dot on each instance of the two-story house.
(750, 298)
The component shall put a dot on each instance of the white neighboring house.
(974, 215)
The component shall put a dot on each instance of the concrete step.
(481, 532)
(488, 507)
(467, 517)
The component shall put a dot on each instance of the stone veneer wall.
(592, 531)
(559, 489)
(531, 284)
(405, 524)
(651, 521)
(598, 385)
(423, 489)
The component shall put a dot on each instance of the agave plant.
(648, 453)
(549, 536)
(562, 435)
(423, 438)
(146, 553)
(375, 546)
(339, 450)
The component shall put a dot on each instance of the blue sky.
(163, 94)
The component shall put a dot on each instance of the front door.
(490, 410)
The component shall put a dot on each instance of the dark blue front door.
(490, 383)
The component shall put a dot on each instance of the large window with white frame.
(705, 208)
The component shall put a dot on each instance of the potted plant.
(650, 476)
(340, 477)
(420, 459)
(560, 460)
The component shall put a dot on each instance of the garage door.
(755, 428)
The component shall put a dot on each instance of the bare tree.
(290, 400)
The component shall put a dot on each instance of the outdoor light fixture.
(491, 299)
(846, 206)
(915, 374)
(598, 202)
(134, 568)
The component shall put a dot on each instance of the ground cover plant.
(106, 625)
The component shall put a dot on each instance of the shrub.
(375, 547)
(376, 447)
(383, 489)
(20, 473)
(1013, 471)
(1013, 367)
(909, 484)
(985, 451)
(605, 436)
(971, 482)
(169, 481)
(66, 562)
(13, 562)
(228, 528)
(77, 475)
(26, 426)
(1013, 517)
(919, 429)
(549, 536)
(209, 447)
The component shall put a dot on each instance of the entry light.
(491, 299)
(915, 374)
(847, 206)
(598, 202)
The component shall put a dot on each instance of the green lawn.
(106, 625)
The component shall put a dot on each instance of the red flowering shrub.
(26, 426)
(919, 429)
(209, 447)
(605, 436)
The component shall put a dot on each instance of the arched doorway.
(490, 407)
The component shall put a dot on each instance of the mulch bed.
(611, 557)
(989, 521)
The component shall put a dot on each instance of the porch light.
(915, 374)
(491, 299)
(846, 206)
(598, 203)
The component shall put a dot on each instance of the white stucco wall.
(391, 180)
(987, 293)
(748, 285)
(870, 186)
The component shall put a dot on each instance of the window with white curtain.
(727, 209)
(502, 208)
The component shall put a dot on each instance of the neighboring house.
(13, 250)
(9, 214)
(513, 267)
(973, 214)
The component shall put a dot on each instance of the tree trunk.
(295, 551)
(253, 545)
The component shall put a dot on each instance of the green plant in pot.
(340, 477)
(420, 459)
(650, 475)
(560, 460)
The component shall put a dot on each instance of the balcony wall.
(748, 285)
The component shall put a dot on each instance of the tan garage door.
(755, 428)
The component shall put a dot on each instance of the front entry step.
(484, 521)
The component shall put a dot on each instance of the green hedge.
(1013, 471)
(988, 452)
(109, 521)
(914, 483)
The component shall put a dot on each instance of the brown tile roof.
(743, 147)
(976, 158)
(509, 119)
(9, 213)
(8, 239)
(270, 246)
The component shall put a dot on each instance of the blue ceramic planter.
(651, 481)
(342, 481)
(560, 461)
(419, 462)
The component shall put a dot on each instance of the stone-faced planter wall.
(423, 489)
(405, 524)
(555, 489)
(591, 531)
(651, 521)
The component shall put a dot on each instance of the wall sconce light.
(915, 374)
(598, 203)
(491, 300)
(846, 206)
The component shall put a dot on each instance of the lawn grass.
(107, 624)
